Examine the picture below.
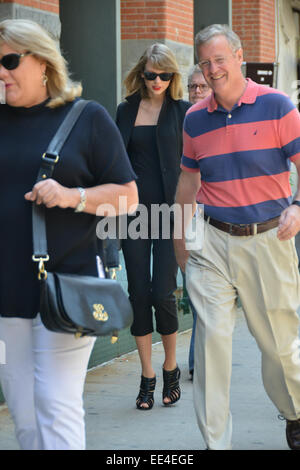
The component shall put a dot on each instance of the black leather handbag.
(70, 303)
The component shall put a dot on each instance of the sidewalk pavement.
(113, 422)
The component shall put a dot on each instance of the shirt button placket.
(228, 118)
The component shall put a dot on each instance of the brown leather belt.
(243, 229)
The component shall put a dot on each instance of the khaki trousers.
(263, 272)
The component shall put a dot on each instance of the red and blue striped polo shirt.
(243, 155)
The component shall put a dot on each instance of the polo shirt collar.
(248, 97)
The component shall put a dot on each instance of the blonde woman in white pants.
(44, 373)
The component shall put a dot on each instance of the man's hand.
(187, 188)
(181, 253)
(289, 223)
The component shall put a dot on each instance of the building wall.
(269, 30)
(158, 19)
(44, 12)
(254, 22)
(288, 46)
(47, 5)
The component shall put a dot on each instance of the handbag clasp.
(113, 271)
(42, 271)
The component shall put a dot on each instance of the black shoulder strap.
(49, 159)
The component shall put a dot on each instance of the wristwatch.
(81, 206)
(296, 203)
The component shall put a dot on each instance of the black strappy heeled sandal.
(171, 388)
(146, 392)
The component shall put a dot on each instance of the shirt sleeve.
(109, 157)
(188, 161)
(289, 130)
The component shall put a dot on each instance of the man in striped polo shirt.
(238, 145)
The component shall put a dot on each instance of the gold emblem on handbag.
(99, 312)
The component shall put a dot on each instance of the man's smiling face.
(221, 66)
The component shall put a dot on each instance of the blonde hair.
(25, 35)
(162, 58)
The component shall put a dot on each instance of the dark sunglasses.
(12, 61)
(164, 76)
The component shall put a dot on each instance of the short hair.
(26, 35)
(214, 30)
(162, 58)
(195, 69)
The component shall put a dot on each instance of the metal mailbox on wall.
(262, 72)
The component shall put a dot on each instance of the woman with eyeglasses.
(150, 121)
(43, 374)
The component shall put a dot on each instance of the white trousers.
(42, 382)
(263, 271)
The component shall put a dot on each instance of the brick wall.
(254, 22)
(51, 6)
(158, 19)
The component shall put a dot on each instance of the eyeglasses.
(12, 61)
(194, 86)
(164, 76)
(206, 64)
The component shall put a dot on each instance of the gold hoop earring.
(45, 79)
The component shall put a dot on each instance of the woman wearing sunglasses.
(150, 121)
(43, 375)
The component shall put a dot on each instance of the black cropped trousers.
(151, 284)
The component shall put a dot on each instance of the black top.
(168, 136)
(144, 158)
(93, 154)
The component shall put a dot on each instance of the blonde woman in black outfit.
(44, 373)
(150, 121)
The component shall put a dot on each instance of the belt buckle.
(233, 229)
(253, 229)
(249, 229)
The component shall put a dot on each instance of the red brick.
(256, 17)
(47, 5)
(173, 19)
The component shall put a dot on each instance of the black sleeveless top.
(144, 158)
